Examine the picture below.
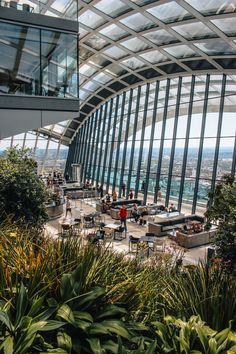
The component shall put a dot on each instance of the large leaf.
(52, 325)
(95, 345)
(36, 306)
(116, 327)
(57, 350)
(110, 311)
(66, 313)
(7, 345)
(82, 315)
(110, 346)
(85, 300)
(21, 304)
(64, 341)
(4, 318)
(152, 348)
(66, 289)
(98, 329)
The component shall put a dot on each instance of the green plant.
(176, 336)
(204, 291)
(21, 321)
(222, 209)
(23, 195)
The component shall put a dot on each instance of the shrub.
(23, 195)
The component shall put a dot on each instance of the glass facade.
(49, 153)
(40, 62)
(176, 134)
(58, 8)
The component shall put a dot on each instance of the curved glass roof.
(124, 43)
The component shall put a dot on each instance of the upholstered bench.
(163, 227)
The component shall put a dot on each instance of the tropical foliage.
(23, 195)
(222, 209)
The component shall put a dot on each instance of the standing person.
(131, 194)
(68, 207)
(114, 196)
(67, 177)
(159, 195)
(143, 186)
(123, 189)
(123, 216)
(101, 191)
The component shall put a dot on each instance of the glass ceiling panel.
(154, 57)
(82, 79)
(133, 63)
(195, 30)
(138, 22)
(58, 129)
(84, 53)
(116, 70)
(213, 7)
(91, 86)
(115, 52)
(114, 32)
(170, 12)
(50, 13)
(87, 70)
(135, 45)
(181, 51)
(99, 61)
(82, 32)
(90, 19)
(96, 42)
(218, 47)
(60, 5)
(83, 94)
(226, 25)
(102, 78)
(142, 2)
(64, 123)
(160, 37)
(112, 8)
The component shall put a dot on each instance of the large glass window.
(37, 62)
(183, 145)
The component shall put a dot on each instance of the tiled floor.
(87, 206)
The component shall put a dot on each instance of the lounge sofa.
(163, 227)
(128, 202)
(195, 239)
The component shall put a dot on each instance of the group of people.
(137, 214)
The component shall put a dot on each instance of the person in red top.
(123, 216)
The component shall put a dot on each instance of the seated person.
(108, 201)
(135, 213)
(184, 229)
(197, 227)
(104, 206)
(162, 208)
(143, 213)
(172, 208)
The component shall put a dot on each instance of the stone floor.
(191, 256)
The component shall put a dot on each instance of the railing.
(14, 5)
